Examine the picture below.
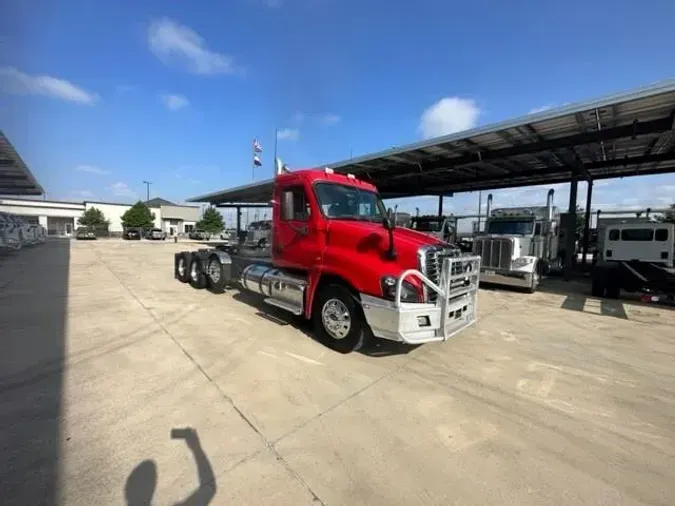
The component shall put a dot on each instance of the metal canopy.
(627, 134)
(15, 177)
(251, 195)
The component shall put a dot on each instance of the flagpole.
(276, 138)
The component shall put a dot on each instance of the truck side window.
(661, 234)
(637, 234)
(301, 209)
(614, 235)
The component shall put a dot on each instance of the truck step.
(284, 305)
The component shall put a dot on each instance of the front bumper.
(518, 279)
(417, 323)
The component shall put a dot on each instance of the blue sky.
(99, 96)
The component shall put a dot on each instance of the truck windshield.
(511, 227)
(345, 202)
(427, 225)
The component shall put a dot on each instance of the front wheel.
(338, 319)
(534, 280)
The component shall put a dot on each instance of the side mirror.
(390, 213)
(387, 223)
(287, 206)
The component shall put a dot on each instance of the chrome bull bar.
(454, 310)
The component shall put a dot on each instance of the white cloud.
(174, 102)
(92, 170)
(82, 193)
(540, 109)
(329, 119)
(14, 81)
(288, 134)
(172, 42)
(447, 116)
(120, 189)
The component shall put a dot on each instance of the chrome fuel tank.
(279, 286)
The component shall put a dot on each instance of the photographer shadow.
(142, 481)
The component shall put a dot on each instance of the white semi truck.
(519, 244)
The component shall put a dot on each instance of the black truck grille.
(431, 263)
(494, 252)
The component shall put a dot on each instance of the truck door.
(295, 243)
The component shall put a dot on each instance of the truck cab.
(440, 227)
(519, 244)
(635, 257)
(338, 259)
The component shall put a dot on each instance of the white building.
(60, 218)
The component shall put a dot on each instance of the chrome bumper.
(417, 323)
(509, 278)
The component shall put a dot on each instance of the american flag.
(256, 146)
(256, 161)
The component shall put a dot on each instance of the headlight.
(408, 291)
(521, 262)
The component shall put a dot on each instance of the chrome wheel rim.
(335, 318)
(193, 271)
(181, 267)
(214, 271)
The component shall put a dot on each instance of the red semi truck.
(338, 259)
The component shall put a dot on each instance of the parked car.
(10, 238)
(199, 235)
(85, 233)
(229, 237)
(133, 234)
(156, 234)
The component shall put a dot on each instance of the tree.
(138, 216)
(93, 218)
(211, 222)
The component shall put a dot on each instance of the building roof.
(158, 201)
(625, 134)
(15, 177)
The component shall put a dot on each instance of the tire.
(330, 302)
(183, 267)
(196, 273)
(598, 286)
(215, 274)
(613, 289)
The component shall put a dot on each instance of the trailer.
(336, 258)
(636, 257)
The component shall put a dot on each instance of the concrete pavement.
(552, 398)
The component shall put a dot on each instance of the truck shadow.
(33, 313)
(376, 347)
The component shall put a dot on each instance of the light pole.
(147, 190)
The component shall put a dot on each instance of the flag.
(256, 161)
(257, 148)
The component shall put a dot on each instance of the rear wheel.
(197, 276)
(182, 267)
(216, 274)
(338, 319)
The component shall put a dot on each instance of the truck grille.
(431, 263)
(495, 253)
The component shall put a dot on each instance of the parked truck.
(337, 258)
(519, 244)
(636, 257)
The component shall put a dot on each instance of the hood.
(372, 239)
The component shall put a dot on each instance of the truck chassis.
(451, 310)
(654, 282)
